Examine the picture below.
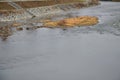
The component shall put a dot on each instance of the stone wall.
(42, 11)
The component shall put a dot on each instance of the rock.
(16, 24)
(19, 28)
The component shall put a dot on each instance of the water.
(80, 53)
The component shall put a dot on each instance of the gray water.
(80, 53)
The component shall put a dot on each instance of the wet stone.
(19, 28)
(5, 32)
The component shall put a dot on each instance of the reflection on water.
(81, 53)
